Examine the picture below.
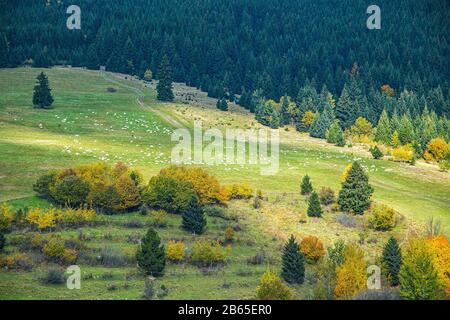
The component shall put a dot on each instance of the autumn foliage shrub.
(16, 262)
(44, 219)
(419, 274)
(312, 248)
(440, 249)
(239, 191)
(55, 251)
(205, 185)
(272, 287)
(6, 217)
(175, 251)
(403, 153)
(351, 275)
(381, 217)
(209, 253)
(107, 188)
(159, 218)
(436, 150)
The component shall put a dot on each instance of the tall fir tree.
(322, 123)
(392, 257)
(42, 97)
(314, 209)
(335, 135)
(151, 256)
(293, 263)
(193, 218)
(164, 87)
(345, 109)
(285, 116)
(406, 130)
(356, 191)
(383, 132)
(306, 186)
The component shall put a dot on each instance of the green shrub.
(169, 194)
(53, 276)
(43, 184)
(215, 211)
(327, 196)
(159, 218)
(71, 191)
(206, 253)
(110, 257)
(105, 199)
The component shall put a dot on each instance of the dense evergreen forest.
(238, 46)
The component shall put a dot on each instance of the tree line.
(236, 47)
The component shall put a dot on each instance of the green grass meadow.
(90, 124)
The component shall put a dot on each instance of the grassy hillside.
(90, 124)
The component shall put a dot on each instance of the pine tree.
(293, 262)
(193, 217)
(384, 132)
(356, 191)
(306, 186)
(222, 104)
(151, 256)
(392, 257)
(164, 87)
(42, 97)
(335, 134)
(314, 209)
(376, 152)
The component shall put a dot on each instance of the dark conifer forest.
(242, 45)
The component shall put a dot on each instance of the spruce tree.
(2, 241)
(151, 256)
(384, 131)
(392, 257)
(314, 209)
(42, 97)
(306, 186)
(376, 152)
(164, 87)
(345, 110)
(356, 191)
(405, 130)
(193, 216)
(293, 262)
(222, 104)
(335, 134)
(321, 124)
(284, 113)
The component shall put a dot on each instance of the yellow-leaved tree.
(351, 276)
